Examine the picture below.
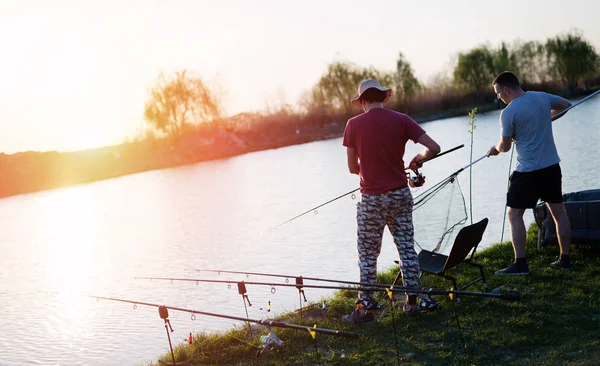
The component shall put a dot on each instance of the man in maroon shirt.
(375, 142)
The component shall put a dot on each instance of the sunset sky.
(74, 74)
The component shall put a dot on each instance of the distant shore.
(28, 172)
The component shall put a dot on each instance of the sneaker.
(358, 316)
(368, 303)
(415, 309)
(561, 265)
(514, 270)
(425, 305)
(428, 304)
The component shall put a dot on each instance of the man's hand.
(416, 163)
(493, 151)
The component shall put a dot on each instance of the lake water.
(94, 239)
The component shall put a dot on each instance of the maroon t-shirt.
(379, 137)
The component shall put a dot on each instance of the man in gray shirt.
(527, 121)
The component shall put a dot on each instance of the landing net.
(438, 215)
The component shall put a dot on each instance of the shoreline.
(557, 311)
(31, 171)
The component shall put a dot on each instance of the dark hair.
(373, 95)
(507, 79)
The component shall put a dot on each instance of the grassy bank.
(557, 322)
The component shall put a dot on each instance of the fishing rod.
(316, 207)
(473, 163)
(418, 199)
(268, 323)
(440, 154)
(420, 162)
(287, 278)
(441, 184)
(298, 279)
(371, 287)
(444, 181)
(564, 111)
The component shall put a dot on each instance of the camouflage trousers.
(374, 212)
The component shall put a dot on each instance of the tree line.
(565, 63)
(186, 122)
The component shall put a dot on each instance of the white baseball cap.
(368, 84)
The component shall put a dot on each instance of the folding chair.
(466, 242)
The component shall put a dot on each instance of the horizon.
(80, 71)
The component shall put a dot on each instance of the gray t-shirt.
(528, 121)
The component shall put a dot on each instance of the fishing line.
(369, 287)
(317, 351)
(354, 190)
(507, 186)
(394, 326)
(267, 323)
(460, 333)
(286, 277)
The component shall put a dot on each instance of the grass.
(555, 323)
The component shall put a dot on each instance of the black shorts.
(526, 188)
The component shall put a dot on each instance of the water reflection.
(95, 238)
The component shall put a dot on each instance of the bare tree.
(178, 101)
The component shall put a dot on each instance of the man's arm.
(353, 164)
(558, 105)
(431, 149)
(506, 128)
(503, 146)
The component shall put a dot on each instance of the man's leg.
(519, 236)
(370, 232)
(518, 233)
(563, 225)
(522, 193)
(402, 230)
(563, 230)
(552, 195)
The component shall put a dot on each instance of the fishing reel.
(416, 180)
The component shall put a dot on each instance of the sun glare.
(67, 223)
(59, 73)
